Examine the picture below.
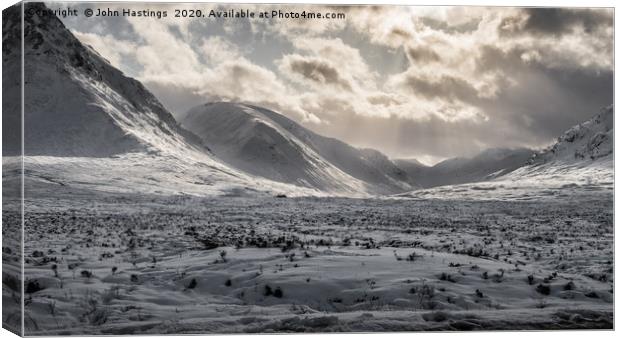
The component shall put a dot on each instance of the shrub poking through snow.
(437, 316)
(209, 244)
(446, 277)
(278, 293)
(543, 289)
(569, 286)
(86, 274)
(192, 284)
(98, 317)
(530, 279)
(228, 282)
(591, 294)
(268, 291)
(33, 286)
(223, 255)
(412, 256)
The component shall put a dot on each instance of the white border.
(511, 3)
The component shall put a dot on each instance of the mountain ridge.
(98, 118)
(267, 144)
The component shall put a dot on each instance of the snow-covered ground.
(559, 180)
(121, 263)
(140, 173)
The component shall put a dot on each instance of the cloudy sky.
(414, 82)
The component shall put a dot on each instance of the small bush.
(228, 282)
(192, 284)
(543, 289)
(278, 293)
(33, 286)
(437, 316)
(412, 256)
(98, 317)
(591, 294)
(530, 279)
(446, 277)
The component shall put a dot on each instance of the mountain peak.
(107, 113)
(265, 143)
(587, 141)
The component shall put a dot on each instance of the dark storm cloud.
(446, 87)
(396, 31)
(422, 55)
(444, 26)
(557, 21)
(317, 71)
(543, 100)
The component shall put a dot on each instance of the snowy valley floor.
(120, 264)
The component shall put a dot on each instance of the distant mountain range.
(77, 105)
(487, 165)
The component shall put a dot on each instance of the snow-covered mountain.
(87, 125)
(584, 153)
(76, 103)
(585, 142)
(84, 120)
(267, 144)
(580, 161)
(487, 165)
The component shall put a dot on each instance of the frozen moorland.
(120, 264)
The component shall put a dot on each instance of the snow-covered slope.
(265, 143)
(76, 103)
(580, 162)
(86, 125)
(582, 155)
(588, 141)
(487, 165)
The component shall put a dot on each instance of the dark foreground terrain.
(126, 264)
